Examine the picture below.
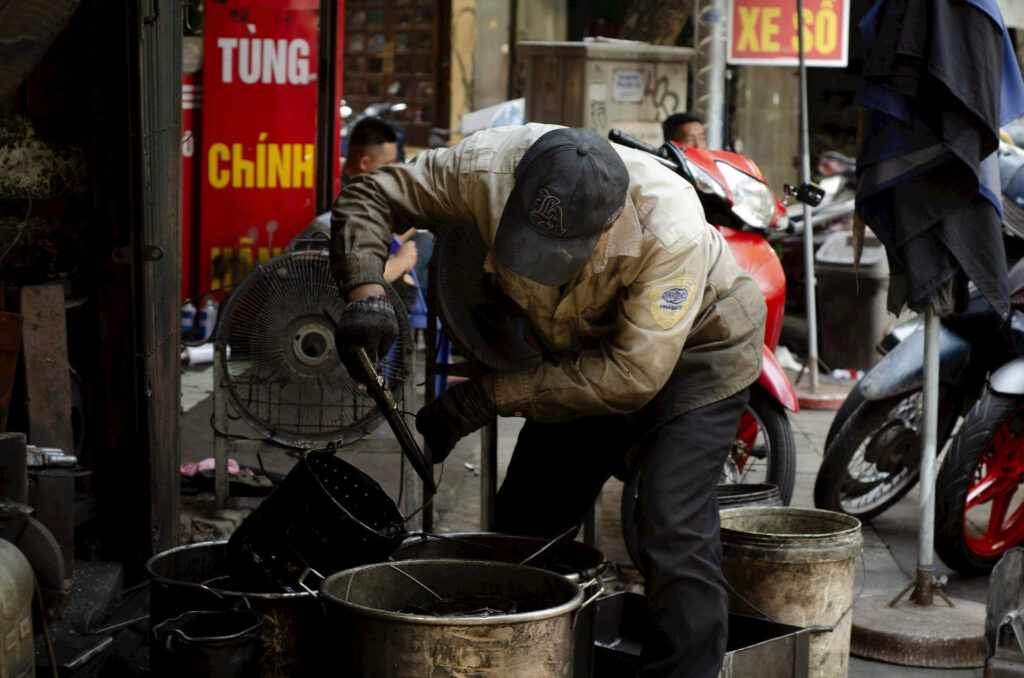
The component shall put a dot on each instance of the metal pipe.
(716, 16)
(221, 483)
(805, 176)
(929, 426)
(488, 473)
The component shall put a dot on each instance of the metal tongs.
(389, 408)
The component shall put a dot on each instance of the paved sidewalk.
(890, 542)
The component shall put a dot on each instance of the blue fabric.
(1011, 99)
(937, 93)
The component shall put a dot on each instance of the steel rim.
(866, 485)
(993, 515)
(750, 460)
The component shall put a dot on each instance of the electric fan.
(277, 360)
(478, 316)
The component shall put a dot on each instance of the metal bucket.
(796, 566)
(208, 643)
(735, 495)
(326, 515)
(373, 637)
(576, 561)
(195, 577)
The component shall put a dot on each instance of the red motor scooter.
(738, 201)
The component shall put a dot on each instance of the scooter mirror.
(809, 193)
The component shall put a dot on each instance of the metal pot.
(208, 643)
(379, 623)
(195, 577)
(573, 559)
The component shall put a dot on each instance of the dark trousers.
(558, 470)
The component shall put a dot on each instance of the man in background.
(686, 129)
(372, 144)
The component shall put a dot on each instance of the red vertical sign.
(339, 90)
(259, 128)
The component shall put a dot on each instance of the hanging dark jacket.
(936, 79)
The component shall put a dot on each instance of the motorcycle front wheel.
(978, 509)
(873, 457)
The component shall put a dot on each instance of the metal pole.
(488, 473)
(929, 427)
(715, 17)
(805, 176)
(221, 483)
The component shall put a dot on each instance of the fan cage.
(278, 363)
(481, 320)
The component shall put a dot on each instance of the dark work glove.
(455, 414)
(368, 323)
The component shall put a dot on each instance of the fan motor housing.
(312, 343)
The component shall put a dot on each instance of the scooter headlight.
(752, 200)
(705, 183)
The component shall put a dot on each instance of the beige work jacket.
(661, 297)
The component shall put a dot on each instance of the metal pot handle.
(600, 592)
(302, 581)
(167, 634)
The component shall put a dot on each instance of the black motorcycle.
(873, 448)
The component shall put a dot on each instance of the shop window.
(391, 55)
(375, 43)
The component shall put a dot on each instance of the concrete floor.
(890, 542)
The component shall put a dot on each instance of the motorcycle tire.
(981, 473)
(853, 402)
(779, 467)
(848, 481)
(772, 456)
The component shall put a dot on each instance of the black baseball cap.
(570, 187)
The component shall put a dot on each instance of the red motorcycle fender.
(775, 381)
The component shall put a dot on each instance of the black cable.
(259, 458)
(233, 436)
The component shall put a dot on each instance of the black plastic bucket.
(225, 644)
(735, 495)
(325, 515)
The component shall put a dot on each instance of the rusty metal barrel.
(795, 566)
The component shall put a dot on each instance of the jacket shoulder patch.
(670, 299)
